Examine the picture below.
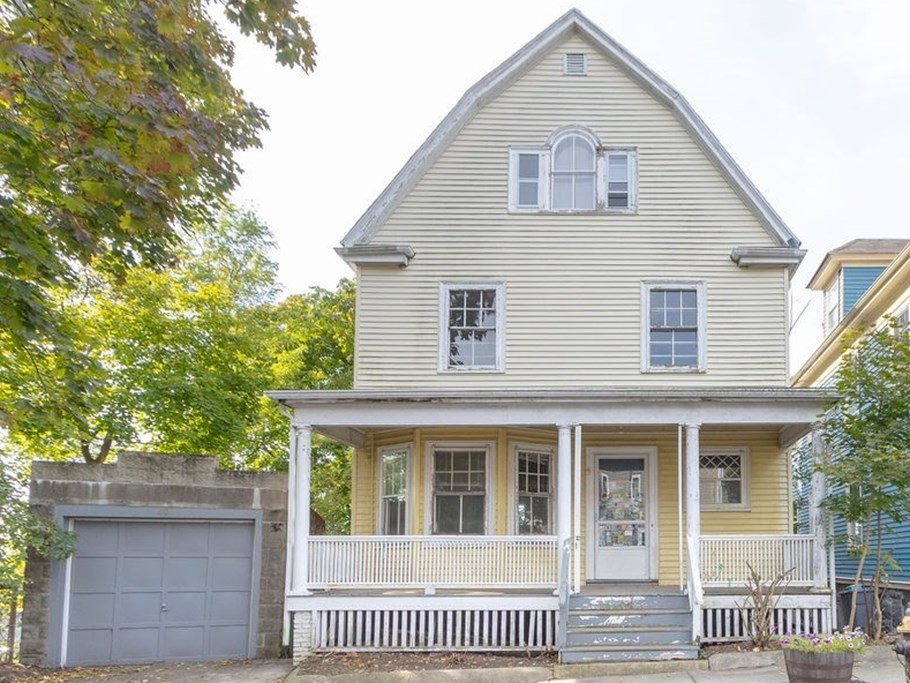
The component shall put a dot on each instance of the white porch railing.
(437, 561)
(724, 559)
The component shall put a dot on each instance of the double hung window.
(673, 326)
(459, 489)
(393, 490)
(471, 327)
(533, 471)
(722, 474)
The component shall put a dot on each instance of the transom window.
(722, 478)
(572, 174)
(534, 490)
(673, 327)
(393, 490)
(459, 490)
(471, 334)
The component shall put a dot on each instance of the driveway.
(256, 671)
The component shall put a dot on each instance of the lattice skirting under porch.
(434, 629)
(729, 623)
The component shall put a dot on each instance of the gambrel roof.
(498, 79)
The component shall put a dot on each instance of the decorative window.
(575, 64)
(723, 481)
(902, 322)
(533, 476)
(471, 334)
(574, 173)
(459, 489)
(673, 326)
(393, 490)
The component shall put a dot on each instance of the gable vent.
(576, 64)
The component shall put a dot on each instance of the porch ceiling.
(346, 415)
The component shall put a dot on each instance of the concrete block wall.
(160, 480)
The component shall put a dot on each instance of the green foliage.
(867, 434)
(20, 529)
(167, 359)
(119, 126)
(845, 641)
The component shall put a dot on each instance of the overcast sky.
(811, 97)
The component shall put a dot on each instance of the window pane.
(584, 155)
(562, 155)
(618, 168)
(689, 299)
(540, 515)
(448, 514)
(528, 166)
(472, 515)
(456, 298)
(527, 193)
(584, 192)
(472, 298)
(562, 192)
(731, 492)
(524, 514)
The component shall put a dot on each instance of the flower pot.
(819, 667)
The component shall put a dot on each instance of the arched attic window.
(574, 173)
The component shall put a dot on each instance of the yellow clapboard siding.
(768, 491)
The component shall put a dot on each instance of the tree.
(173, 359)
(21, 531)
(867, 434)
(119, 126)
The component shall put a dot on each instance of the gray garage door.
(144, 591)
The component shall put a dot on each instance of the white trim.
(67, 585)
(746, 467)
(649, 453)
(443, 328)
(490, 494)
(498, 79)
(407, 447)
(698, 286)
(541, 449)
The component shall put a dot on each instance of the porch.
(625, 476)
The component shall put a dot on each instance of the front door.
(622, 514)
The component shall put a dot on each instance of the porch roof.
(347, 414)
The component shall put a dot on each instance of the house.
(570, 407)
(865, 282)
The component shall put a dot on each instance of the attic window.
(576, 64)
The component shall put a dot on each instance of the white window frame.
(833, 302)
(514, 448)
(429, 508)
(407, 448)
(745, 462)
(545, 180)
(698, 286)
(443, 361)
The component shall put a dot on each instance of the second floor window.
(471, 334)
(673, 326)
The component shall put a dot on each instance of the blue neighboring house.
(863, 281)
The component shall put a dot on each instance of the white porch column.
(303, 439)
(693, 492)
(818, 517)
(693, 526)
(563, 490)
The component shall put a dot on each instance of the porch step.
(635, 626)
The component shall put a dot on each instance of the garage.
(143, 590)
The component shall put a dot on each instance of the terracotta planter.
(819, 667)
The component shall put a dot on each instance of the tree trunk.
(877, 582)
(858, 577)
(103, 452)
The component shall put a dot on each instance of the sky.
(811, 97)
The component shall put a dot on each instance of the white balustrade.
(437, 561)
(725, 559)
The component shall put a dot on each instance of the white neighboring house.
(570, 406)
